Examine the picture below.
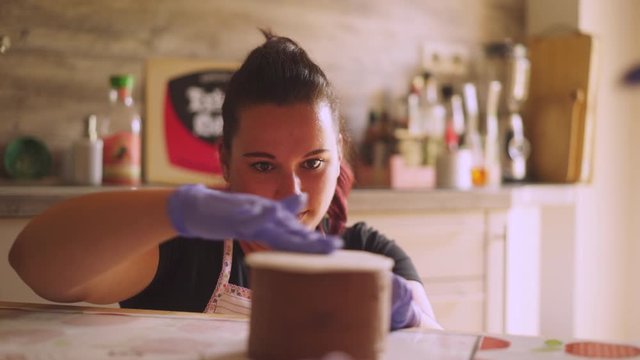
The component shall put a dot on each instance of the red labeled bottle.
(121, 158)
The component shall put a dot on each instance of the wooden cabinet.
(454, 254)
(481, 254)
(12, 288)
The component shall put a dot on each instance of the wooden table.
(36, 331)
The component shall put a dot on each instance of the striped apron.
(228, 298)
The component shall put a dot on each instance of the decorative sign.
(183, 126)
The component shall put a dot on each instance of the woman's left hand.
(410, 306)
(404, 313)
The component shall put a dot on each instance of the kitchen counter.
(441, 199)
(28, 201)
(31, 331)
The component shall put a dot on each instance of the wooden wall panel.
(63, 51)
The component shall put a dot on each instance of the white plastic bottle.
(454, 164)
(87, 155)
(121, 135)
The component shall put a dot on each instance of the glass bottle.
(454, 123)
(433, 115)
(471, 138)
(121, 135)
(508, 63)
(491, 143)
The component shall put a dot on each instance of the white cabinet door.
(448, 250)
(441, 244)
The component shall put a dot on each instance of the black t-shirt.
(188, 269)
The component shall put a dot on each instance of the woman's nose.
(289, 185)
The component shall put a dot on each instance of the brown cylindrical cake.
(305, 305)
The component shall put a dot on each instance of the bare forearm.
(79, 240)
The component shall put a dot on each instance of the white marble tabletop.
(36, 331)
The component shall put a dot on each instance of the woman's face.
(281, 150)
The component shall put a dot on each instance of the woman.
(173, 249)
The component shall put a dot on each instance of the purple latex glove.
(404, 313)
(196, 211)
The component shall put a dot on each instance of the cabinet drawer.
(441, 244)
(459, 306)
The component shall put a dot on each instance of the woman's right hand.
(197, 211)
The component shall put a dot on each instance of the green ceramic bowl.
(27, 158)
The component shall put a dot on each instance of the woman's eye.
(312, 164)
(262, 166)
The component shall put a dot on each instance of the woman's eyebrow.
(258, 154)
(315, 152)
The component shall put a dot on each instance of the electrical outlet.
(450, 59)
